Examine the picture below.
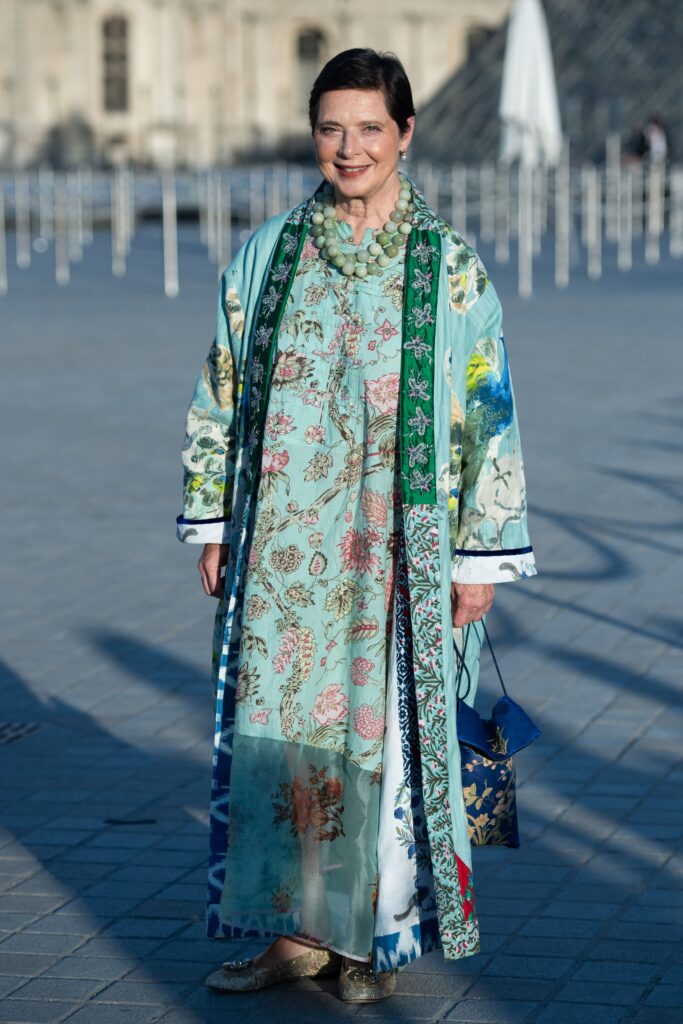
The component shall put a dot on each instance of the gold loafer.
(249, 975)
(358, 983)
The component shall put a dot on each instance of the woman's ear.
(407, 135)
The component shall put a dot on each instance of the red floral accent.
(466, 889)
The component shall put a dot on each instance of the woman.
(352, 458)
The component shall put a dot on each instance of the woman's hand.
(470, 601)
(213, 558)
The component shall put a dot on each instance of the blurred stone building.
(190, 82)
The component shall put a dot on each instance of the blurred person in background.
(657, 139)
(352, 464)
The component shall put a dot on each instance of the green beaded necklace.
(363, 262)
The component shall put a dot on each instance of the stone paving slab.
(105, 636)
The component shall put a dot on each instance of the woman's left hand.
(470, 601)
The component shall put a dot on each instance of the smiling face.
(357, 142)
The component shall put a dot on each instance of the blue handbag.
(487, 746)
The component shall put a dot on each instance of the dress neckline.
(346, 232)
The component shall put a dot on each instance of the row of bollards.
(586, 207)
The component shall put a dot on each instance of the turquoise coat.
(463, 519)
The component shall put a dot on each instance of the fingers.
(210, 574)
(470, 602)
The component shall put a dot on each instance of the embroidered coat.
(356, 444)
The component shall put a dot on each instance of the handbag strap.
(463, 669)
(495, 662)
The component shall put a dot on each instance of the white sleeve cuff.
(501, 566)
(202, 531)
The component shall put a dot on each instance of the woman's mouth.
(351, 172)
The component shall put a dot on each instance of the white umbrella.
(528, 107)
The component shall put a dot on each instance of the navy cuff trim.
(196, 522)
(500, 551)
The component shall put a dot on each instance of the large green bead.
(382, 261)
(397, 239)
(317, 218)
(391, 251)
(402, 204)
(317, 207)
(375, 249)
(389, 227)
(332, 250)
(362, 255)
(329, 226)
(360, 270)
(319, 241)
(405, 227)
(329, 213)
(348, 269)
(373, 269)
(396, 216)
(339, 260)
(384, 238)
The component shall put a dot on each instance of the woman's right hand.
(213, 558)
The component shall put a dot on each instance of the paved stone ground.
(105, 639)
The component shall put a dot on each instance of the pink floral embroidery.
(386, 331)
(382, 394)
(331, 705)
(313, 434)
(374, 505)
(278, 424)
(273, 462)
(308, 250)
(348, 334)
(366, 725)
(356, 553)
(360, 670)
(260, 717)
(290, 367)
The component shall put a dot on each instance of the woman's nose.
(348, 145)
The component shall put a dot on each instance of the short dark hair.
(363, 68)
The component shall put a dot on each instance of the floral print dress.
(312, 671)
(337, 808)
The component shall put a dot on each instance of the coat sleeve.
(492, 541)
(208, 454)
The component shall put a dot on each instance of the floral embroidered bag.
(487, 746)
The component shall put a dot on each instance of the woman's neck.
(365, 212)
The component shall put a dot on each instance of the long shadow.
(66, 729)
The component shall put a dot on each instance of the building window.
(310, 50)
(115, 64)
